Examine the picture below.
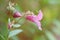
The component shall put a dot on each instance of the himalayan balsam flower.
(30, 16)
(36, 19)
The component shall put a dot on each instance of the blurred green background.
(50, 22)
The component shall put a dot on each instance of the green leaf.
(18, 8)
(16, 25)
(21, 20)
(49, 35)
(56, 28)
(15, 38)
(3, 21)
(1, 37)
(14, 32)
(3, 28)
(29, 28)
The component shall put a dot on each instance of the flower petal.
(40, 15)
(30, 18)
(38, 24)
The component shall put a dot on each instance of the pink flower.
(16, 14)
(36, 19)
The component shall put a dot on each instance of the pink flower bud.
(16, 14)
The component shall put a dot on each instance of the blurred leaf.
(15, 38)
(16, 25)
(1, 37)
(29, 28)
(18, 8)
(21, 20)
(54, 2)
(14, 32)
(3, 20)
(49, 35)
(39, 37)
(56, 28)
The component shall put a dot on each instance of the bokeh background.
(50, 22)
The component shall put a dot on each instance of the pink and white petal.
(38, 24)
(40, 15)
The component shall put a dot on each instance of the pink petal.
(40, 15)
(16, 14)
(30, 18)
(38, 24)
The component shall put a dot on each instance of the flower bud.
(16, 14)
